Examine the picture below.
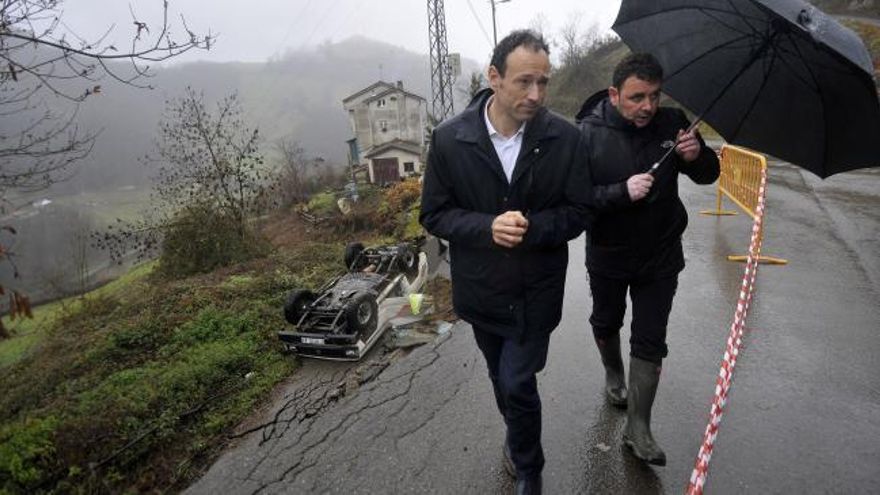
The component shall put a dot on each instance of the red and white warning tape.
(734, 344)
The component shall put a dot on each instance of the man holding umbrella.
(635, 242)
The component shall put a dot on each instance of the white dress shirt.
(507, 149)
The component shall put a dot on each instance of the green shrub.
(393, 215)
(27, 453)
(138, 338)
(200, 239)
(323, 204)
(411, 227)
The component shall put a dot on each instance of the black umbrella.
(777, 76)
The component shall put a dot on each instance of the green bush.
(27, 452)
(201, 238)
(323, 204)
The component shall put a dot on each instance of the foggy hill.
(296, 95)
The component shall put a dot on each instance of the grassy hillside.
(133, 386)
(575, 81)
(136, 386)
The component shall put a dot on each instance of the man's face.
(636, 100)
(520, 92)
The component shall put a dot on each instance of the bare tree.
(59, 256)
(210, 182)
(18, 305)
(40, 57)
(540, 24)
(294, 171)
(209, 157)
(80, 251)
(574, 41)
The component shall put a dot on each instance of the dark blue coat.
(509, 292)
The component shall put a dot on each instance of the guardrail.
(743, 176)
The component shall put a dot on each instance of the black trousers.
(651, 304)
(513, 365)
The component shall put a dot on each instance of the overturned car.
(342, 320)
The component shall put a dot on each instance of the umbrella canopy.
(777, 76)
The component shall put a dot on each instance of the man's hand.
(638, 186)
(509, 228)
(688, 147)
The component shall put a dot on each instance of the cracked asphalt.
(802, 415)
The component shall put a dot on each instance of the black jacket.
(642, 238)
(509, 292)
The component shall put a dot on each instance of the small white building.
(388, 124)
(393, 161)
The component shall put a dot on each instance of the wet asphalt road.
(803, 414)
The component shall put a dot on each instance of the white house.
(388, 124)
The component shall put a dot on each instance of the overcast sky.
(257, 30)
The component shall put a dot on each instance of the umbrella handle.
(662, 159)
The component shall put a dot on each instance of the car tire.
(296, 304)
(362, 313)
(408, 259)
(352, 251)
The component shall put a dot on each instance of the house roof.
(392, 90)
(367, 90)
(399, 144)
(378, 90)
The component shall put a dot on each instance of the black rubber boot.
(643, 379)
(615, 379)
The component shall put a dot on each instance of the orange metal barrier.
(742, 174)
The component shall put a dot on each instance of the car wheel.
(362, 313)
(408, 259)
(296, 304)
(353, 251)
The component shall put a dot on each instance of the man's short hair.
(521, 37)
(642, 65)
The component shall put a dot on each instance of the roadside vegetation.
(137, 385)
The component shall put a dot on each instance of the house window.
(383, 124)
(380, 103)
(409, 167)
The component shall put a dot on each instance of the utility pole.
(441, 78)
(494, 29)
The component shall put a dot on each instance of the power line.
(295, 23)
(348, 17)
(479, 23)
(319, 24)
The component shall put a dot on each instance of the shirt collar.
(491, 128)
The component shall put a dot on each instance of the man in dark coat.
(505, 184)
(634, 243)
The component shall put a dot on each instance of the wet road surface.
(802, 415)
